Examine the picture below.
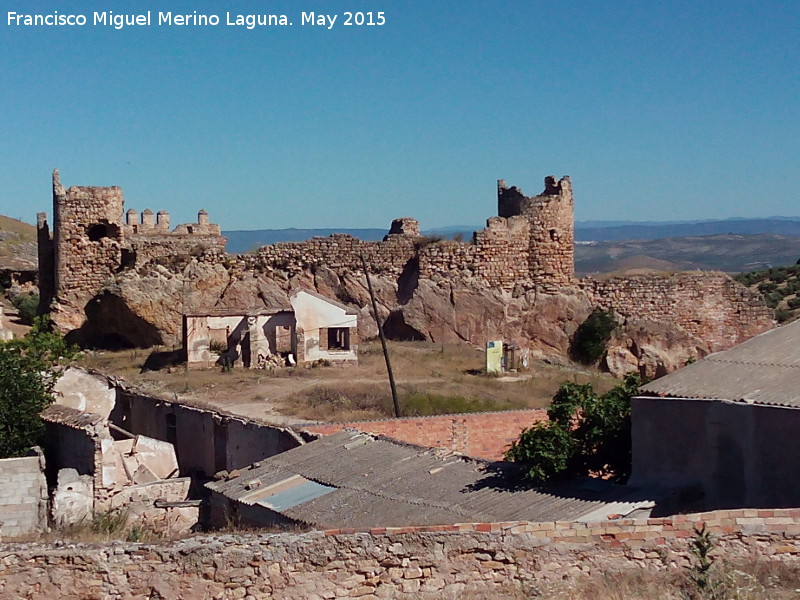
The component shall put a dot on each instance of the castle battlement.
(94, 239)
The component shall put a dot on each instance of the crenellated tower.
(93, 239)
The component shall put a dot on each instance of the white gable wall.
(312, 314)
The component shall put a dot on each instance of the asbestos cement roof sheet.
(763, 370)
(371, 481)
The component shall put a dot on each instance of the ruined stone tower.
(86, 247)
(551, 237)
(93, 240)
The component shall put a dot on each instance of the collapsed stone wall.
(531, 243)
(484, 435)
(146, 248)
(402, 562)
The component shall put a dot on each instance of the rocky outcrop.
(143, 307)
(652, 348)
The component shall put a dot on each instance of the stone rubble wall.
(481, 435)
(404, 562)
(551, 240)
(151, 246)
(23, 496)
(708, 305)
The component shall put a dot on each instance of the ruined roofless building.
(92, 241)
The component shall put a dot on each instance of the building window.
(338, 338)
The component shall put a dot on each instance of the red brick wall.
(481, 435)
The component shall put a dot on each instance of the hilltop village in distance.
(232, 392)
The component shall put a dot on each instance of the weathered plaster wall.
(738, 454)
(419, 563)
(268, 334)
(205, 441)
(23, 496)
(481, 435)
(314, 318)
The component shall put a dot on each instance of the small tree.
(585, 434)
(26, 305)
(26, 385)
(591, 338)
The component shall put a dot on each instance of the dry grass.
(431, 379)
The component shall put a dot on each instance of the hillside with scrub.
(780, 287)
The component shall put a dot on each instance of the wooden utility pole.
(395, 401)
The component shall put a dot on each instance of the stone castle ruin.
(91, 243)
(111, 277)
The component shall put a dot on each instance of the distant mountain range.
(734, 253)
(585, 231)
(654, 231)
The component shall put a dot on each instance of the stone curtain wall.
(480, 435)
(503, 250)
(711, 306)
(172, 245)
(533, 246)
(419, 563)
(23, 496)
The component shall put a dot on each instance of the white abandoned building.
(98, 466)
(311, 328)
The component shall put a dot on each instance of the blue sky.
(657, 110)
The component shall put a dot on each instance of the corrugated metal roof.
(381, 482)
(763, 370)
(70, 417)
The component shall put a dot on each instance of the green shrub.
(591, 339)
(585, 434)
(26, 385)
(26, 305)
(773, 299)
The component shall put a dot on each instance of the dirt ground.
(431, 379)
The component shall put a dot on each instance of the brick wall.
(23, 496)
(419, 563)
(481, 435)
